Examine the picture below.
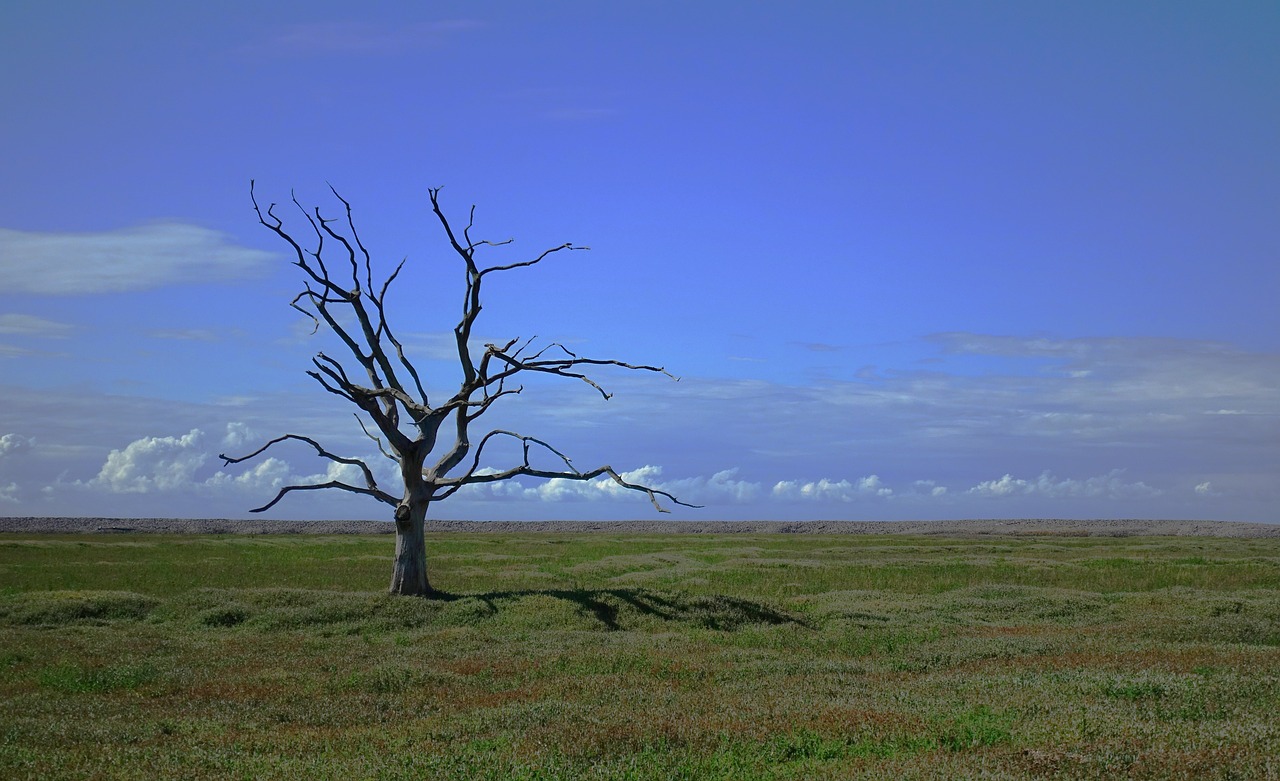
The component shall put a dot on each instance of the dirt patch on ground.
(1065, 528)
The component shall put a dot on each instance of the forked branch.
(371, 484)
(474, 476)
(560, 366)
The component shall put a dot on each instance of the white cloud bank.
(182, 470)
(994, 427)
(122, 260)
(721, 487)
(173, 465)
(1109, 485)
(831, 490)
(170, 464)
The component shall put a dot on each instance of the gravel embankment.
(1116, 528)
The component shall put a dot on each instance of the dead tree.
(430, 440)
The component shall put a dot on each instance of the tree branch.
(561, 367)
(535, 261)
(371, 483)
(376, 439)
(385, 327)
(376, 494)
(453, 485)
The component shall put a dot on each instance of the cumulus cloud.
(831, 490)
(723, 486)
(153, 464)
(1109, 485)
(929, 487)
(13, 444)
(30, 325)
(561, 489)
(9, 493)
(238, 434)
(122, 260)
(269, 474)
(872, 485)
(720, 488)
(160, 464)
(334, 471)
(1206, 489)
(1005, 486)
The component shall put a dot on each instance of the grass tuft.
(64, 608)
(77, 679)
(976, 728)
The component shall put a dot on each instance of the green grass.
(641, 657)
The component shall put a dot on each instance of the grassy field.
(641, 657)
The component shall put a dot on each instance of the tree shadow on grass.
(612, 607)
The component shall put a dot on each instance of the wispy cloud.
(1069, 388)
(10, 351)
(819, 347)
(30, 325)
(185, 334)
(122, 260)
(358, 37)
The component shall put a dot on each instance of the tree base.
(409, 574)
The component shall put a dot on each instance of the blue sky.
(909, 260)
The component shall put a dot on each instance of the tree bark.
(409, 577)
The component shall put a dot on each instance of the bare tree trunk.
(409, 577)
